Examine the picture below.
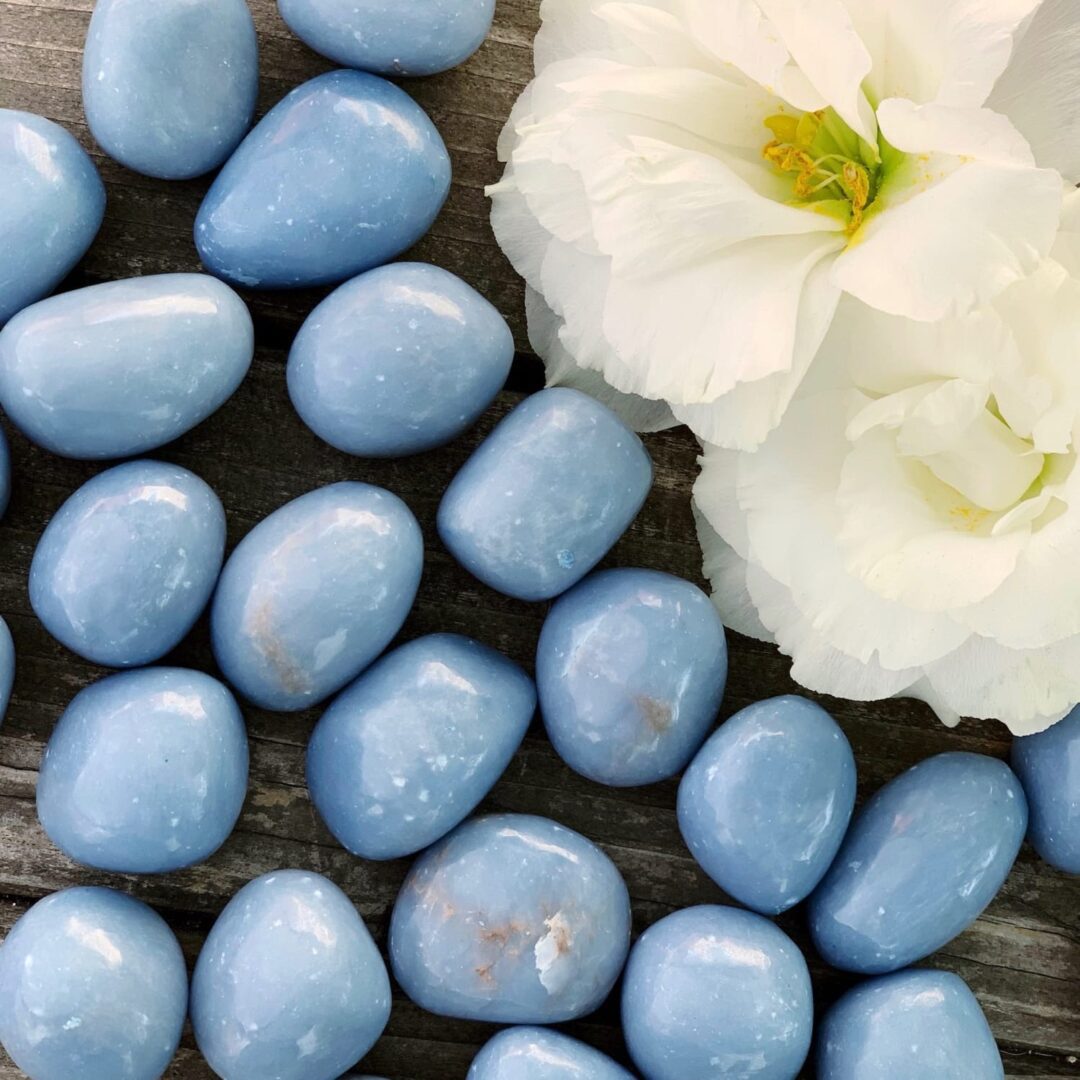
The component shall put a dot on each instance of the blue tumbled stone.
(919, 864)
(92, 985)
(407, 751)
(630, 668)
(314, 593)
(1048, 765)
(343, 174)
(764, 806)
(546, 495)
(145, 772)
(128, 563)
(535, 1053)
(5, 473)
(169, 86)
(52, 208)
(124, 367)
(289, 984)
(511, 918)
(398, 360)
(714, 992)
(7, 667)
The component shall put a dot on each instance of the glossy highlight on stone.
(715, 992)
(314, 593)
(124, 367)
(630, 669)
(7, 667)
(422, 37)
(145, 772)
(52, 208)
(924, 1024)
(128, 563)
(546, 495)
(169, 86)
(920, 863)
(536, 1053)
(398, 360)
(343, 174)
(92, 985)
(512, 919)
(410, 748)
(766, 803)
(289, 984)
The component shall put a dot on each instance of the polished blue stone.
(7, 667)
(124, 367)
(145, 772)
(764, 806)
(314, 593)
(1048, 765)
(536, 1053)
(51, 209)
(289, 984)
(920, 862)
(5, 473)
(407, 751)
(92, 985)
(398, 360)
(715, 992)
(169, 86)
(343, 174)
(924, 1024)
(511, 918)
(630, 668)
(128, 563)
(422, 37)
(546, 495)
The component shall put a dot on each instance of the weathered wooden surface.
(1022, 958)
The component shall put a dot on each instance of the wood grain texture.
(1022, 957)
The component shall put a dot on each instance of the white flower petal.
(944, 129)
(570, 28)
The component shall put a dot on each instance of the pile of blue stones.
(508, 918)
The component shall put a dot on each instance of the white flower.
(692, 185)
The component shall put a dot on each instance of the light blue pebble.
(124, 367)
(7, 667)
(630, 668)
(169, 86)
(764, 806)
(92, 985)
(145, 772)
(314, 593)
(343, 174)
(513, 919)
(128, 563)
(920, 862)
(401, 359)
(422, 37)
(536, 1053)
(546, 495)
(1048, 765)
(289, 984)
(410, 748)
(5, 471)
(52, 208)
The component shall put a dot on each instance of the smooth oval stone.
(7, 667)
(511, 918)
(534, 1053)
(5, 473)
(716, 992)
(289, 984)
(1048, 765)
(407, 751)
(52, 208)
(924, 1024)
(92, 985)
(314, 593)
(124, 367)
(764, 806)
(920, 863)
(128, 563)
(145, 772)
(343, 174)
(398, 360)
(546, 495)
(630, 668)
(169, 86)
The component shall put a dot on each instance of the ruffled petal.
(978, 134)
